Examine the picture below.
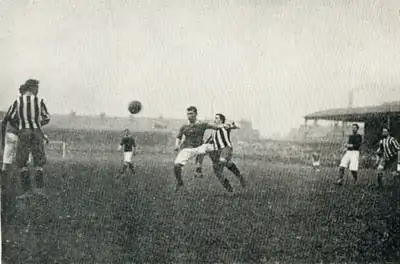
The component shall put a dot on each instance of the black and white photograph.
(191, 132)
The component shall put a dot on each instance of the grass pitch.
(286, 214)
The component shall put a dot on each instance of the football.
(135, 107)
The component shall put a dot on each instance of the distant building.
(373, 119)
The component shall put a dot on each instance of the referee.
(31, 113)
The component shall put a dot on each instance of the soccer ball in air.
(135, 107)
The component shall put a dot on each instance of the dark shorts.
(222, 154)
(389, 164)
(30, 141)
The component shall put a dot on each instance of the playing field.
(287, 214)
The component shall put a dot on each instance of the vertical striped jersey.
(388, 147)
(221, 138)
(30, 111)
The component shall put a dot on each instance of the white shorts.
(316, 163)
(128, 156)
(351, 160)
(206, 148)
(187, 154)
(10, 148)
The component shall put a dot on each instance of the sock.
(25, 179)
(39, 178)
(232, 167)
(131, 166)
(178, 174)
(227, 185)
(355, 176)
(341, 173)
(380, 176)
(123, 168)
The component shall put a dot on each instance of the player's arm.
(395, 144)
(178, 139)
(379, 151)
(215, 127)
(232, 125)
(121, 144)
(357, 143)
(7, 118)
(44, 113)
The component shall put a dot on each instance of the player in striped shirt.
(221, 156)
(387, 153)
(189, 142)
(31, 113)
(9, 135)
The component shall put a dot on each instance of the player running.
(221, 153)
(387, 152)
(128, 145)
(192, 145)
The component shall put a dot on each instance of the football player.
(128, 145)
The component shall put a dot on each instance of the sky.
(266, 60)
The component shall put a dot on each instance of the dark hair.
(22, 89)
(192, 108)
(221, 117)
(30, 83)
(356, 125)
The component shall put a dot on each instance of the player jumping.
(128, 145)
(192, 145)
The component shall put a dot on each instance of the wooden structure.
(373, 117)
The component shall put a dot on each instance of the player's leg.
(7, 179)
(226, 159)
(123, 168)
(344, 163)
(128, 160)
(387, 165)
(30, 159)
(354, 163)
(180, 161)
(218, 168)
(23, 149)
(380, 170)
(199, 165)
(316, 161)
(39, 159)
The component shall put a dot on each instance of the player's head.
(191, 113)
(385, 131)
(219, 119)
(127, 132)
(355, 128)
(22, 89)
(32, 86)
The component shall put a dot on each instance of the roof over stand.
(356, 114)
